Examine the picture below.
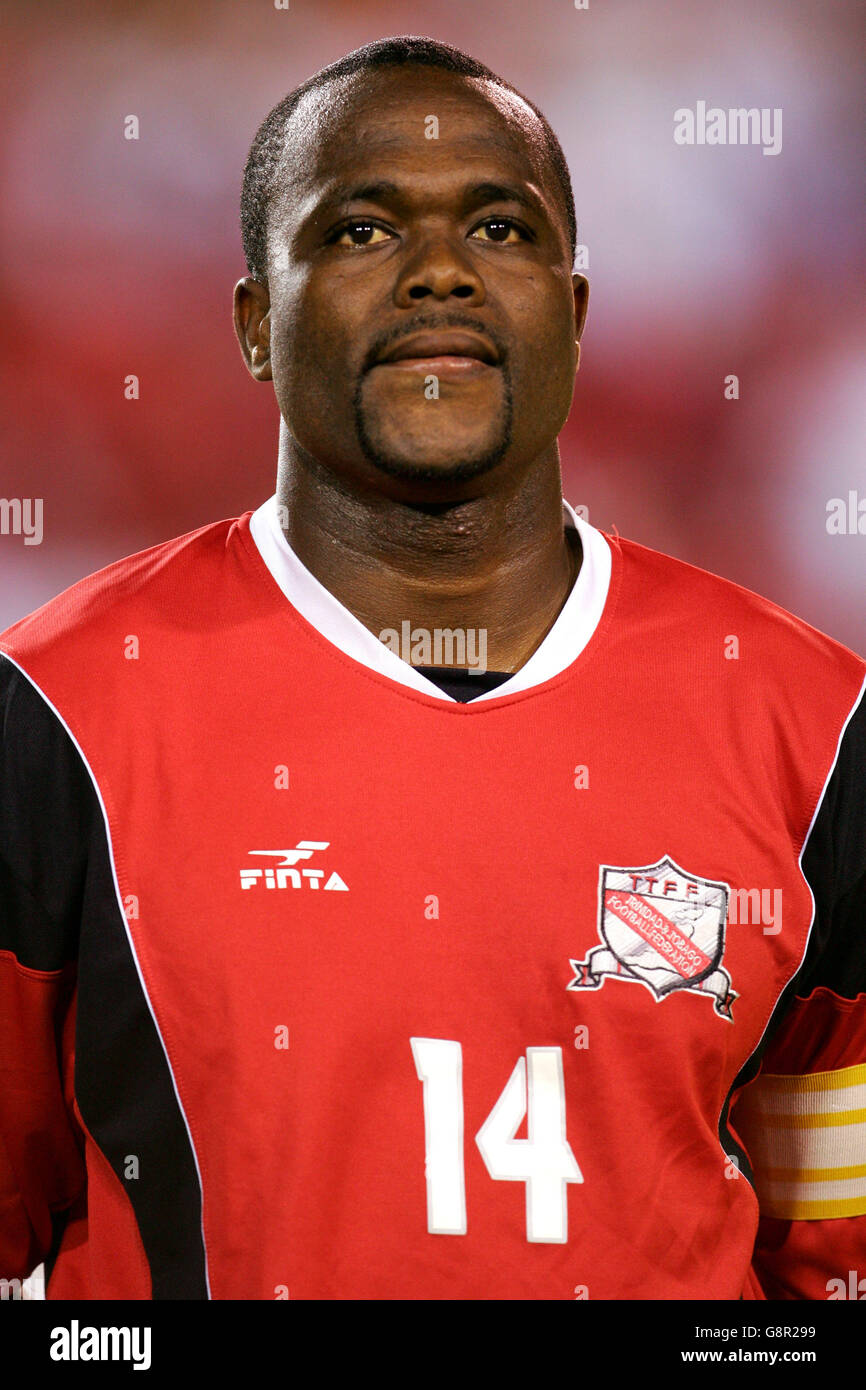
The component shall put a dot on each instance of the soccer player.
(406, 889)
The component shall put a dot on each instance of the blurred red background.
(120, 257)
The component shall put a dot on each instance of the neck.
(498, 562)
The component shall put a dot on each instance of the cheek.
(311, 359)
(546, 352)
(542, 318)
(543, 370)
(293, 334)
(308, 348)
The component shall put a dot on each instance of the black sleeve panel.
(834, 864)
(50, 826)
(58, 903)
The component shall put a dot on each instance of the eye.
(501, 230)
(359, 233)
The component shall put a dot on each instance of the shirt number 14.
(544, 1161)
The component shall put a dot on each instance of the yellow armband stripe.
(806, 1139)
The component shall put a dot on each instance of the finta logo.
(282, 874)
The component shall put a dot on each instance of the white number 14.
(544, 1161)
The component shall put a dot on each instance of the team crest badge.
(663, 928)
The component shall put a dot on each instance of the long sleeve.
(47, 830)
(803, 1119)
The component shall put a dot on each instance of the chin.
(446, 457)
(400, 443)
(433, 466)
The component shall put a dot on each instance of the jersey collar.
(577, 621)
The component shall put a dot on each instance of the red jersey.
(316, 986)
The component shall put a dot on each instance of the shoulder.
(162, 584)
(664, 594)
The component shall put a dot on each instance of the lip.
(445, 347)
(450, 366)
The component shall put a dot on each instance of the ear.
(581, 300)
(252, 314)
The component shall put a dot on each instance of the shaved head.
(287, 138)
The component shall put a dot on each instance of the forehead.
(358, 123)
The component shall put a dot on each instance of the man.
(387, 971)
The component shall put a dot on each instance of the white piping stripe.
(125, 921)
(819, 804)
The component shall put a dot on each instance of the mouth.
(450, 354)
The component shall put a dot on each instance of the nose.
(439, 270)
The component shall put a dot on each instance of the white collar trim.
(577, 621)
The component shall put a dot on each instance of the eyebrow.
(360, 193)
(477, 195)
(488, 192)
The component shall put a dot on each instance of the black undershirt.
(462, 683)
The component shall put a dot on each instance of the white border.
(573, 629)
(77, 745)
